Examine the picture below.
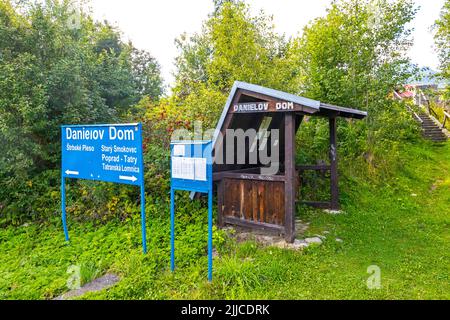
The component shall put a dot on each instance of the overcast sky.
(154, 24)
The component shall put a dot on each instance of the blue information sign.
(111, 153)
(191, 170)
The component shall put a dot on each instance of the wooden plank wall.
(254, 201)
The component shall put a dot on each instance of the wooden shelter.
(246, 196)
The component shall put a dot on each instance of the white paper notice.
(200, 169)
(176, 168)
(188, 168)
(179, 150)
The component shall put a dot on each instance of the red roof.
(406, 94)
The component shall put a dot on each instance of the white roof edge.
(343, 109)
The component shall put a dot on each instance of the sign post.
(191, 170)
(111, 153)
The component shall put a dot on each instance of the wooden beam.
(250, 176)
(289, 168)
(254, 225)
(220, 175)
(334, 165)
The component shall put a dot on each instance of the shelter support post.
(334, 165)
(289, 176)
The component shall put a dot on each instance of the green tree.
(218, 4)
(442, 39)
(355, 56)
(233, 45)
(58, 66)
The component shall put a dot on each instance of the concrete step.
(442, 139)
(436, 138)
(434, 135)
(440, 134)
(433, 130)
(430, 130)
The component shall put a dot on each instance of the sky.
(153, 25)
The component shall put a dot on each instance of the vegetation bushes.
(441, 116)
(442, 39)
(95, 77)
(58, 66)
(402, 227)
(353, 57)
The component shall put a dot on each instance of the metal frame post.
(172, 229)
(63, 207)
(143, 222)
(210, 234)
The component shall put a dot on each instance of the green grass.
(401, 225)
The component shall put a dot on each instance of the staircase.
(431, 130)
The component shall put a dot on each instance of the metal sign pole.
(63, 207)
(210, 232)
(143, 215)
(143, 224)
(172, 229)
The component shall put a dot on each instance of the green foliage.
(58, 66)
(442, 39)
(244, 48)
(39, 197)
(355, 56)
(41, 256)
(233, 45)
(400, 225)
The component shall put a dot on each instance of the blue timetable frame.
(198, 156)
